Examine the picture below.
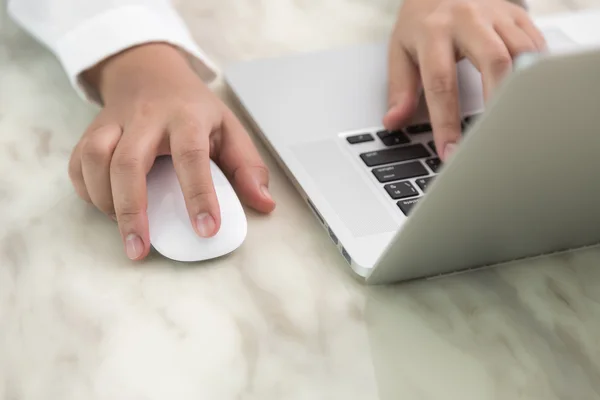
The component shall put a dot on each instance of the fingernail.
(205, 224)
(134, 246)
(449, 150)
(265, 192)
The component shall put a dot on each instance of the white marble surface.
(79, 321)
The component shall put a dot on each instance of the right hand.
(155, 104)
(430, 36)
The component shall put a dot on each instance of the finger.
(96, 154)
(403, 87)
(487, 51)
(524, 22)
(190, 150)
(76, 173)
(131, 161)
(516, 40)
(438, 70)
(242, 164)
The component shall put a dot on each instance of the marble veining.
(79, 321)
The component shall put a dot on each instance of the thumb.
(251, 182)
(243, 165)
(403, 87)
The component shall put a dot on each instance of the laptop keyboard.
(403, 162)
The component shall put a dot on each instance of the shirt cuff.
(522, 3)
(119, 29)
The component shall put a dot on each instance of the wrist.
(134, 65)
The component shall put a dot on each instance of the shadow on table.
(525, 330)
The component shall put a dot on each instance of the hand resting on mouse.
(154, 104)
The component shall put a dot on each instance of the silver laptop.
(524, 182)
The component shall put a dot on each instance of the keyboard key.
(434, 164)
(363, 137)
(401, 190)
(419, 128)
(407, 205)
(399, 172)
(432, 146)
(424, 182)
(396, 154)
(393, 138)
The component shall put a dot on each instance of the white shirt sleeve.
(81, 33)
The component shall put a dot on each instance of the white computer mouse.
(171, 232)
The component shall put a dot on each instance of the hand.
(430, 36)
(155, 104)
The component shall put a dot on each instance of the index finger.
(438, 70)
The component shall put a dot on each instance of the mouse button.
(218, 177)
(167, 214)
(229, 204)
(233, 220)
(162, 168)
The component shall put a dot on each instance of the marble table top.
(79, 321)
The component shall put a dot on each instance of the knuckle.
(469, 10)
(440, 82)
(127, 209)
(189, 111)
(99, 145)
(450, 128)
(258, 168)
(199, 193)
(199, 197)
(96, 150)
(521, 15)
(436, 25)
(127, 212)
(192, 154)
(145, 108)
(190, 125)
(262, 168)
(498, 58)
(126, 162)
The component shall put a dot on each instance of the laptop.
(524, 181)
